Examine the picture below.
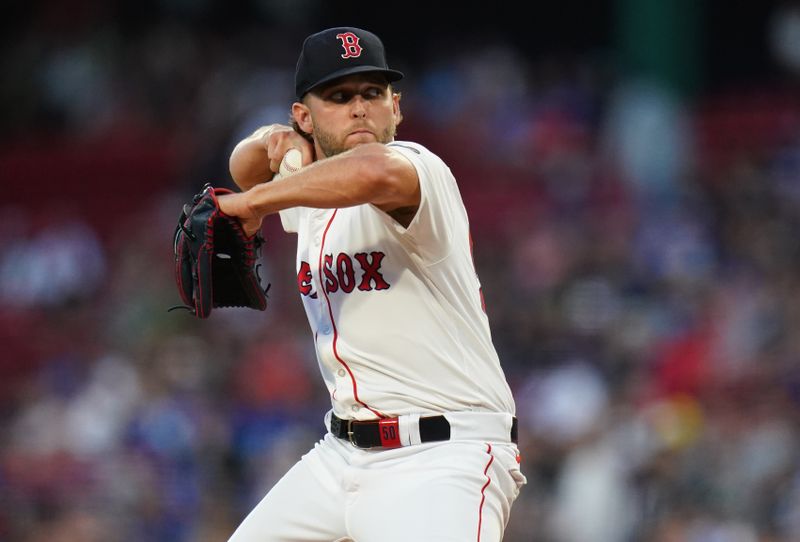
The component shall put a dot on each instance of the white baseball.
(291, 163)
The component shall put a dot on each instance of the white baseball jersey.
(397, 313)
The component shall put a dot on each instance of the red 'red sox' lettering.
(345, 272)
(363, 270)
(371, 272)
(331, 284)
(304, 278)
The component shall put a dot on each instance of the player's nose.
(358, 107)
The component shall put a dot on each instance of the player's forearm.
(338, 182)
(366, 174)
(249, 161)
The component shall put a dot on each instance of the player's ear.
(302, 116)
(398, 115)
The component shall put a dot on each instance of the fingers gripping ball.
(292, 162)
(216, 262)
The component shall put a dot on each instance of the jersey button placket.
(315, 248)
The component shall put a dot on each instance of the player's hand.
(237, 205)
(281, 138)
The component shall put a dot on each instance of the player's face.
(350, 111)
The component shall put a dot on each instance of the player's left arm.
(369, 173)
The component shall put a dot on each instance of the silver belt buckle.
(350, 433)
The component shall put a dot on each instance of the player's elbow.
(247, 167)
(238, 172)
(389, 178)
(240, 169)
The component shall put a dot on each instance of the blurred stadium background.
(632, 170)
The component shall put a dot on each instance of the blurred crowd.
(638, 251)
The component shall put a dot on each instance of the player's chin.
(359, 138)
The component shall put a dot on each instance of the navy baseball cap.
(337, 52)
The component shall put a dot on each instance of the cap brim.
(391, 76)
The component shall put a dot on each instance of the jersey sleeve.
(441, 213)
(292, 218)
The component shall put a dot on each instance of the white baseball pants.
(449, 491)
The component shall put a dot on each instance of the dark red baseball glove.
(216, 263)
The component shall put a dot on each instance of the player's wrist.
(250, 203)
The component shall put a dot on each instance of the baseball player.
(421, 437)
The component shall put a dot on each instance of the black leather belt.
(384, 433)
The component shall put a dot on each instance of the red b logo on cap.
(350, 43)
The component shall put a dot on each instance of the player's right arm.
(368, 173)
(257, 158)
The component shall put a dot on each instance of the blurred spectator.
(62, 263)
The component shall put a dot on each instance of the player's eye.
(339, 97)
(344, 96)
(372, 93)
